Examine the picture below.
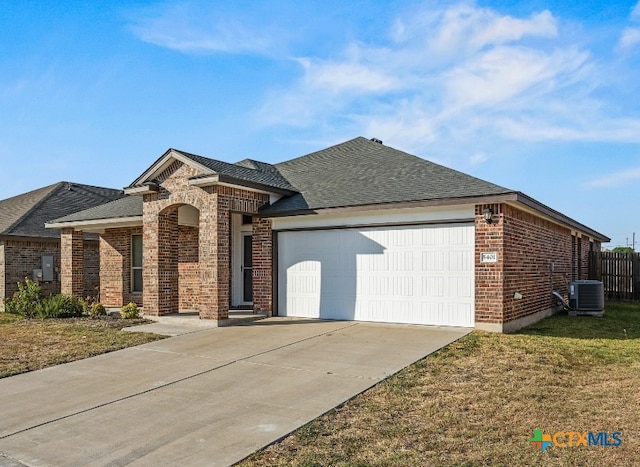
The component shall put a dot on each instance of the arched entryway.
(178, 273)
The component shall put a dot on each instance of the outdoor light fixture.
(488, 215)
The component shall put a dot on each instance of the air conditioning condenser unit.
(586, 297)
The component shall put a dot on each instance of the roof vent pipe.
(376, 140)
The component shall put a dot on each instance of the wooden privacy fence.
(619, 272)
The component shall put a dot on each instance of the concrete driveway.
(210, 397)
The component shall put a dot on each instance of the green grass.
(478, 400)
(32, 344)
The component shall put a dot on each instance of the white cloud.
(346, 77)
(466, 28)
(613, 130)
(458, 76)
(504, 73)
(469, 27)
(616, 179)
(478, 158)
(188, 28)
(630, 38)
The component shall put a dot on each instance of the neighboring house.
(25, 244)
(357, 231)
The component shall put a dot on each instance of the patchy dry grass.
(477, 402)
(32, 344)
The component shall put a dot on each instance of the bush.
(24, 301)
(130, 311)
(59, 306)
(93, 307)
(96, 309)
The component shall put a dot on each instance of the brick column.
(489, 276)
(3, 291)
(160, 260)
(214, 258)
(168, 261)
(112, 270)
(150, 292)
(262, 249)
(72, 262)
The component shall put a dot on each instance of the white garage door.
(417, 274)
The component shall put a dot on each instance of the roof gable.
(163, 162)
(248, 173)
(26, 214)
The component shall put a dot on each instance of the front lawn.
(32, 344)
(479, 400)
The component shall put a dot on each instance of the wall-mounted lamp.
(488, 215)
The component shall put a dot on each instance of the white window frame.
(133, 267)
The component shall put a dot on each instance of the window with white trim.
(136, 263)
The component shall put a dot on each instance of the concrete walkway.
(210, 397)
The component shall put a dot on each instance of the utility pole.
(634, 242)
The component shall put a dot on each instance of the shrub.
(24, 301)
(130, 311)
(93, 307)
(59, 306)
(96, 309)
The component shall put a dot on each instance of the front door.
(247, 268)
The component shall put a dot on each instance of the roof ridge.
(191, 156)
(323, 150)
(96, 192)
(52, 188)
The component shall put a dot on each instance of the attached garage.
(418, 274)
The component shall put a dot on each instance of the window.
(136, 263)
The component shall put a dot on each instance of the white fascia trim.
(214, 180)
(98, 224)
(164, 162)
(139, 190)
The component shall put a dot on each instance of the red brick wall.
(91, 268)
(21, 257)
(72, 262)
(168, 260)
(3, 295)
(18, 259)
(532, 245)
(527, 247)
(262, 250)
(115, 267)
(489, 276)
(188, 271)
(584, 246)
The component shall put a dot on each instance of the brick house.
(357, 231)
(25, 243)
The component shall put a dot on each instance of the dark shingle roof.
(25, 214)
(248, 170)
(361, 171)
(129, 206)
(354, 173)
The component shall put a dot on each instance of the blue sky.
(538, 96)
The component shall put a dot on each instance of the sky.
(538, 96)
